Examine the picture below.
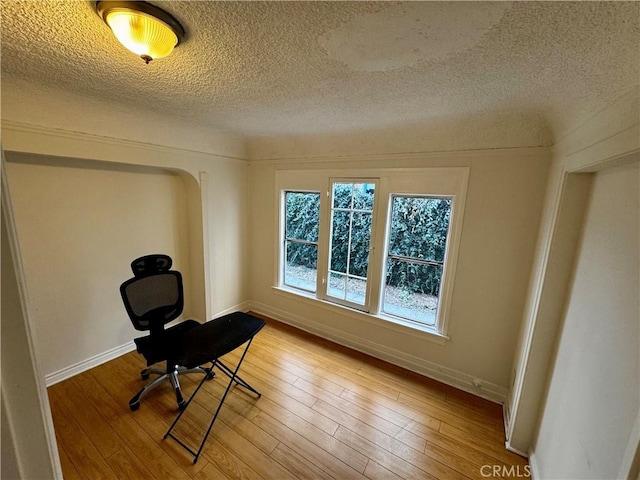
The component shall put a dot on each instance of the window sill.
(384, 321)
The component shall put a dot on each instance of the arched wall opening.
(79, 222)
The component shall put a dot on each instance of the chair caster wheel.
(211, 375)
(134, 406)
(144, 375)
(182, 405)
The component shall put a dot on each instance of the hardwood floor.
(325, 412)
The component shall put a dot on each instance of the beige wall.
(231, 254)
(216, 223)
(458, 132)
(60, 125)
(228, 237)
(38, 119)
(593, 398)
(501, 219)
(28, 449)
(79, 228)
(9, 467)
(196, 208)
(38, 105)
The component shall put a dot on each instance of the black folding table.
(207, 343)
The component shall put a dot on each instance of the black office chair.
(153, 298)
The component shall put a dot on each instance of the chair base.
(134, 403)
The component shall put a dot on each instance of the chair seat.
(163, 343)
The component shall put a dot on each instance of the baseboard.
(533, 465)
(75, 369)
(506, 415)
(630, 465)
(240, 307)
(511, 448)
(462, 381)
(70, 371)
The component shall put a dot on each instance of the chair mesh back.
(154, 300)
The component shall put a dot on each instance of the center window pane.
(340, 241)
(351, 223)
(360, 240)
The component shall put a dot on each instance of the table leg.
(233, 377)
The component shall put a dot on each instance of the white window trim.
(282, 227)
(385, 257)
(324, 291)
(446, 181)
(389, 323)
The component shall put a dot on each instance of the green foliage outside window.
(357, 218)
(302, 221)
(419, 228)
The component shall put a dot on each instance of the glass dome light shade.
(142, 34)
(144, 29)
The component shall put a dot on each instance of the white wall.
(593, 398)
(501, 219)
(79, 228)
(607, 138)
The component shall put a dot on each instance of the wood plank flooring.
(325, 412)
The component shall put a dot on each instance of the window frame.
(285, 239)
(448, 182)
(366, 307)
(443, 264)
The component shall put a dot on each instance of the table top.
(216, 338)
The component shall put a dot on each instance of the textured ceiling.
(295, 68)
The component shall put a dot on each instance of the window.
(415, 257)
(302, 210)
(351, 220)
(383, 245)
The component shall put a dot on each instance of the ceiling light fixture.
(144, 29)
